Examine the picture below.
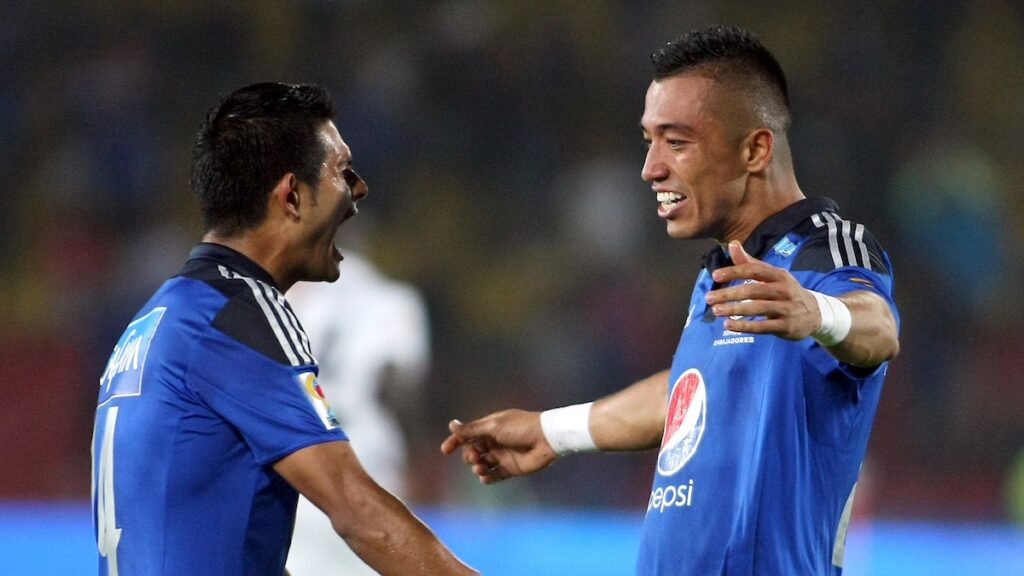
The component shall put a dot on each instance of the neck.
(767, 194)
(259, 249)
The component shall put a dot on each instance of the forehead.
(337, 150)
(678, 100)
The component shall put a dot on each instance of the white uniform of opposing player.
(361, 326)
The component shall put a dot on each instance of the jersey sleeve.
(835, 263)
(276, 408)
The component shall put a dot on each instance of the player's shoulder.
(254, 313)
(829, 241)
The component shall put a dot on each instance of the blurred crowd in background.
(501, 145)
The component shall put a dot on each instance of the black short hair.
(248, 141)
(733, 56)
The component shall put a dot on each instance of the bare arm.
(375, 524)
(633, 418)
(790, 311)
(872, 338)
(512, 443)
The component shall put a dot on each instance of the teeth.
(669, 197)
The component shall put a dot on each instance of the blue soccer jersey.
(764, 436)
(211, 383)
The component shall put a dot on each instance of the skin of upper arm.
(633, 418)
(874, 335)
(329, 475)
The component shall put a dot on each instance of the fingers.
(771, 301)
(480, 428)
(475, 453)
(744, 267)
(450, 444)
(454, 440)
(738, 254)
(500, 445)
(482, 461)
(758, 271)
(462, 433)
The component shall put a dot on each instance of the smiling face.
(326, 207)
(695, 157)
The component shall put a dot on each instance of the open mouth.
(669, 199)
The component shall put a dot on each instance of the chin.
(333, 274)
(326, 274)
(679, 232)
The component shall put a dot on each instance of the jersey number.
(108, 534)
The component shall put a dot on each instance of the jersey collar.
(233, 259)
(771, 229)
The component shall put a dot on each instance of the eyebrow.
(665, 127)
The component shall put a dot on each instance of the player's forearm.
(873, 333)
(389, 538)
(375, 524)
(633, 418)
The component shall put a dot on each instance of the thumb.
(738, 254)
(457, 438)
(457, 427)
(465, 430)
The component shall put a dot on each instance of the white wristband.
(835, 320)
(568, 429)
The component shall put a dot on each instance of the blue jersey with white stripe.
(211, 383)
(764, 436)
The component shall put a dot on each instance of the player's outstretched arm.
(790, 311)
(634, 418)
(375, 524)
(513, 443)
(501, 445)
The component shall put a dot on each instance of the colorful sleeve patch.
(317, 399)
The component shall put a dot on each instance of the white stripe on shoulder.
(293, 321)
(291, 324)
(851, 254)
(824, 219)
(303, 337)
(852, 245)
(275, 323)
(859, 237)
(266, 306)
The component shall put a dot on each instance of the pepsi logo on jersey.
(684, 423)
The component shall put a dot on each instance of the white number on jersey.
(108, 534)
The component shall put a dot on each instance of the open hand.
(780, 304)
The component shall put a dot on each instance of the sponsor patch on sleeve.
(784, 247)
(123, 375)
(315, 395)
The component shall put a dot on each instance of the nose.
(654, 168)
(360, 190)
(356, 184)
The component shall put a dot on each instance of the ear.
(758, 148)
(285, 196)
